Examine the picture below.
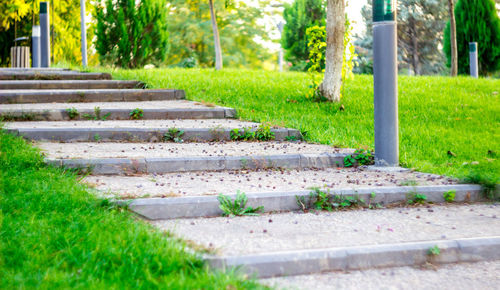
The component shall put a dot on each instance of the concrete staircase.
(167, 159)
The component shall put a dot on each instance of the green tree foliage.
(299, 16)
(65, 27)
(131, 35)
(478, 21)
(420, 31)
(191, 35)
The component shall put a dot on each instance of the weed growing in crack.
(416, 198)
(97, 115)
(434, 251)
(360, 157)
(174, 134)
(136, 114)
(321, 200)
(264, 133)
(242, 134)
(72, 113)
(449, 196)
(238, 206)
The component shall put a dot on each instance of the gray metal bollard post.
(474, 71)
(44, 35)
(84, 33)
(35, 46)
(385, 83)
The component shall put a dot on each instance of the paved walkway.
(167, 158)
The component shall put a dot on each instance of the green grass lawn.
(437, 114)
(54, 234)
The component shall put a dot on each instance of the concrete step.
(138, 131)
(372, 197)
(151, 110)
(52, 75)
(302, 243)
(71, 84)
(128, 158)
(478, 275)
(98, 95)
(28, 69)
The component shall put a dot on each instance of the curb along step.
(124, 166)
(361, 257)
(52, 75)
(98, 95)
(28, 69)
(117, 114)
(208, 206)
(134, 134)
(69, 84)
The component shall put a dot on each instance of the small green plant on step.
(242, 134)
(72, 113)
(97, 138)
(264, 133)
(173, 134)
(416, 198)
(136, 114)
(449, 196)
(291, 138)
(434, 251)
(361, 156)
(97, 115)
(238, 206)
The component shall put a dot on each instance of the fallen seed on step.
(192, 223)
(264, 231)
(270, 220)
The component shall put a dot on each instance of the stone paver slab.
(481, 275)
(213, 183)
(306, 231)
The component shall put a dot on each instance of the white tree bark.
(335, 29)
(218, 51)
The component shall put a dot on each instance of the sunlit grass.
(55, 235)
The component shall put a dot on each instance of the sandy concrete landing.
(213, 183)
(153, 150)
(298, 231)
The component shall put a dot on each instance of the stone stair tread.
(479, 275)
(192, 184)
(145, 124)
(67, 84)
(295, 231)
(169, 104)
(51, 75)
(55, 150)
(66, 91)
(87, 95)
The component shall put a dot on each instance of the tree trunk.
(335, 29)
(218, 51)
(414, 47)
(453, 39)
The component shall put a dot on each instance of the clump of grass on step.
(238, 206)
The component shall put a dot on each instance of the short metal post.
(385, 78)
(44, 35)
(35, 46)
(474, 72)
(84, 33)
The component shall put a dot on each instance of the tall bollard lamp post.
(35, 46)
(385, 79)
(84, 33)
(44, 35)
(473, 59)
